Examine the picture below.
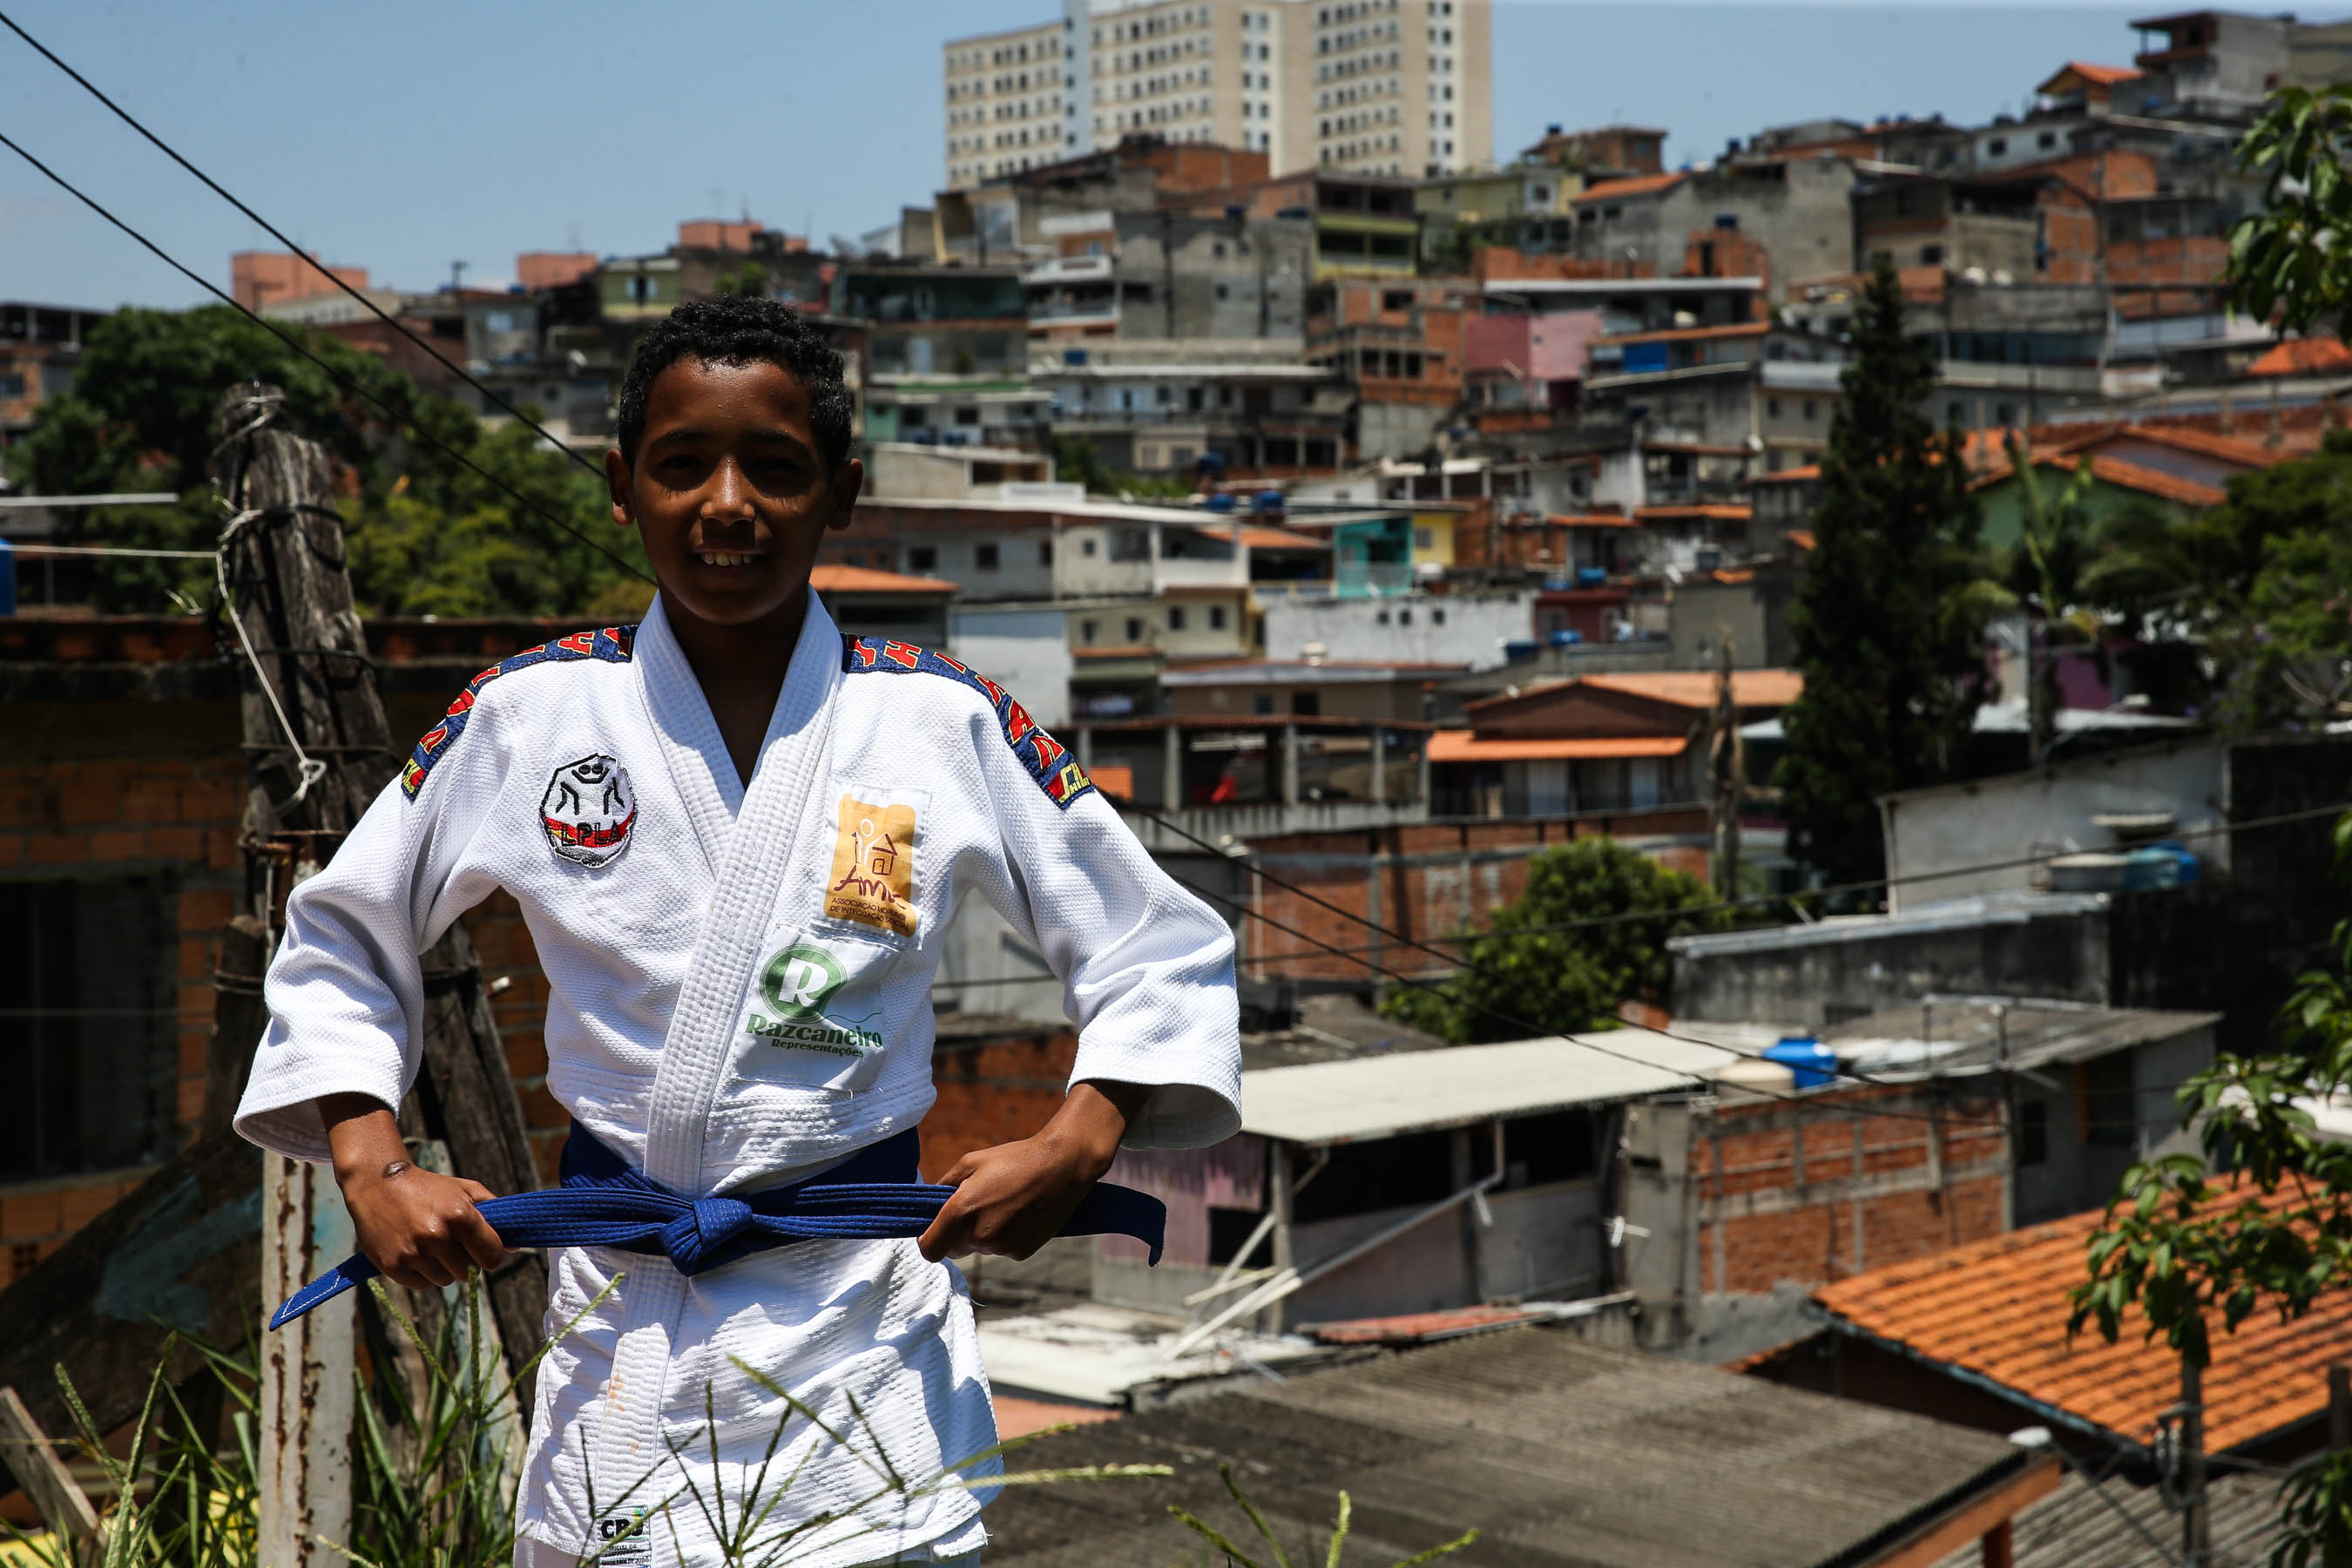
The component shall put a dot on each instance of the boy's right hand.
(421, 1228)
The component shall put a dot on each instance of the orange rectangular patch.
(873, 879)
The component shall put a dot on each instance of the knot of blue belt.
(874, 1194)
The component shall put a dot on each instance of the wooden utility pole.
(2196, 1523)
(1728, 774)
(319, 749)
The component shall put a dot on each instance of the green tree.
(1887, 620)
(142, 417)
(2195, 1249)
(2190, 1249)
(2290, 257)
(1521, 969)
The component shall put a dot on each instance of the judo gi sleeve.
(1146, 969)
(346, 989)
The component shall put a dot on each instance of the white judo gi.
(739, 995)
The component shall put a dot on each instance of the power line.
(1755, 900)
(1539, 1031)
(409, 421)
(276, 233)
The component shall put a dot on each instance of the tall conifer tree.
(1886, 621)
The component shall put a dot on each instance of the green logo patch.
(798, 983)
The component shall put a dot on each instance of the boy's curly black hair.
(742, 330)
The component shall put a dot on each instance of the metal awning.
(1415, 1091)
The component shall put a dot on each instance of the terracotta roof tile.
(836, 579)
(1639, 185)
(1997, 1310)
(1684, 334)
(2303, 356)
(2094, 76)
(2124, 476)
(1464, 746)
(2227, 448)
(1788, 476)
(1679, 689)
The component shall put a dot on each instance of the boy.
(738, 838)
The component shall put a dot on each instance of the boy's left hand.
(1012, 1199)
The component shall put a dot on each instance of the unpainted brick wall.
(993, 1091)
(1773, 1229)
(1434, 880)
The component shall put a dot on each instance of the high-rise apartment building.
(1368, 86)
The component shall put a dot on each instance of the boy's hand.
(419, 1227)
(1012, 1199)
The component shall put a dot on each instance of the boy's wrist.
(1093, 1123)
(363, 1137)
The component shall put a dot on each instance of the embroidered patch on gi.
(588, 810)
(1047, 760)
(872, 878)
(613, 645)
(798, 984)
(622, 1539)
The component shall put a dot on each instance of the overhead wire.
(279, 235)
(408, 421)
(1756, 900)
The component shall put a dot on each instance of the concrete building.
(1249, 405)
(1390, 87)
(40, 350)
(1712, 221)
(1476, 629)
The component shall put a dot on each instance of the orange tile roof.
(1996, 1310)
(2227, 448)
(1639, 185)
(1788, 476)
(2096, 76)
(1696, 689)
(1802, 538)
(1588, 519)
(1720, 511)
(827, 578)
(2303, 356)
(1256, 536)
(1683, 335)
(1464, 746)
(2126, 476)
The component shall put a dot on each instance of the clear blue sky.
(404, 135)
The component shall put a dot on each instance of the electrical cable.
(408, 421)
(2219, 829)
(1536, 1031)
(276, 233)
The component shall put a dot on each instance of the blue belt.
(874, 1194)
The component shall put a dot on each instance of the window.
(88, 1059)
(1307, 704)
(922, 558)
(1175, 617)
(1085, 631)
(2109, 1118)
(1086, 547)
(1044, 553)
(1931, 255)
(2033, 1133)
(1812, 408)
(1216, 617)
(1996, 147)
(1771, 408)
(984, 557)
(1554, 1147)
(967, 415)
(1436, 618)
(1262, 704)
(1404, 618)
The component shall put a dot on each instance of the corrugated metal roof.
(2115, 1524)
(1377, 1097)
(1560, 1452)
(1995, 1311)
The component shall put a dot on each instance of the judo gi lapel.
(752, 836)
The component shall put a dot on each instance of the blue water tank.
(1811, 1063)
(1515, 651)
(2164, 864)
(8, 578)
(1591, 576)
(1567, 637)
(1266, 501)
(1221, 502)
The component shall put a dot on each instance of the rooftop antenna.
(457, 276)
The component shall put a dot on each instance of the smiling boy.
(738, 838)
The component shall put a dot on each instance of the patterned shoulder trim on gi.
(1047, 760)
(613, 645)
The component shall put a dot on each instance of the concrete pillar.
(1421, 779)
(1380, 764)
(1290, 765)
(1087, 750)
(1171, 766)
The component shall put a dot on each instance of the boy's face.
(730, 490)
